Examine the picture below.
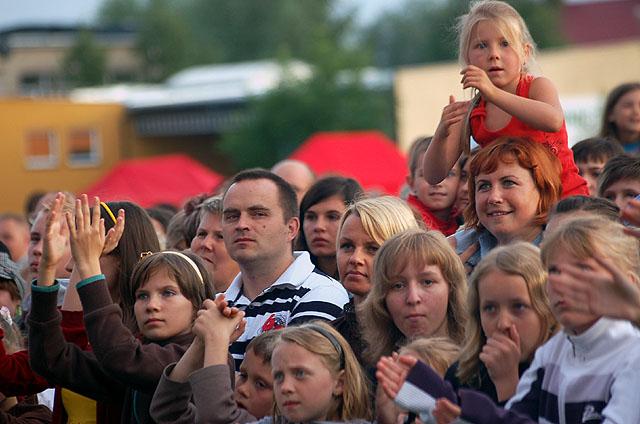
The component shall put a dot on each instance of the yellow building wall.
(19, 117)
(578, 72)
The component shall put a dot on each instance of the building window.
(84, 148)
(41, 150)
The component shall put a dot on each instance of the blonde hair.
(68, 205)
(585, 237)
(521, 259)
(319, 338)
(513, 28)
(381, 217)
(412, 246)
(437, 352)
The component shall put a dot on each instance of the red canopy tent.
(161, 179)
(369, 157)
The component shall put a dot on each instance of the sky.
(25, 12)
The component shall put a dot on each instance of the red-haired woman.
(513, 184)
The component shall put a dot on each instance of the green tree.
(123, 13)
(424, 32)
(288, 115)
(163, 41)
(234, 31)
(84, 63)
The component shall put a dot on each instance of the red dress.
(557, 142)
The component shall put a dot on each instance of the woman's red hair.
(545, 171)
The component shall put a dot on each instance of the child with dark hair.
(590, 155)
(621, 116)
(580, 206)
(620, 180)
(434, 202)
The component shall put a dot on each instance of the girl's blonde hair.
(418, 247)
(323, 340)
(381, 217)
(506, 18)
(521, 259)
(437, 352)
(585, 237)
(514, 30)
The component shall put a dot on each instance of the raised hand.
(392, 372)
(56, 238)
(599, 288)
(87, 236)
(501, 355)
(446, 411)
(450, 125)
(474, 77)
(114, 234)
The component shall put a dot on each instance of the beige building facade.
(583, 76)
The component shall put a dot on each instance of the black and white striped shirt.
(302, 293)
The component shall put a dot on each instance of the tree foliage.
(287, 116)
(84, 63)
(424, 31)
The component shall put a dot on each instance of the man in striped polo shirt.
(276, 286)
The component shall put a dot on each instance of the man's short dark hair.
(622, 167)
(596, 149)
(287, 196)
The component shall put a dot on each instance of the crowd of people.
(504, 287)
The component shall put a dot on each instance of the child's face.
(304, 388)
(590, 171)
(622, 191)
(437, 197)
(462, 198)
(626, 116)
(490, 51)
(354, 256)
(34, 251)
(417, 301)
(160, 308)
(504, 302)
(254, 385)
(575, 322)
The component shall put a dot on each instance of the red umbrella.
(369, 157)
(161, 179)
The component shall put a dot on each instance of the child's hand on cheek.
(55, 241)
(474, 77)
(501, 355)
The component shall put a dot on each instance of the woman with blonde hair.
(364, 227)
(509, 318)
(419, 289)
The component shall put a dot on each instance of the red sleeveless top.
(557, 142)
